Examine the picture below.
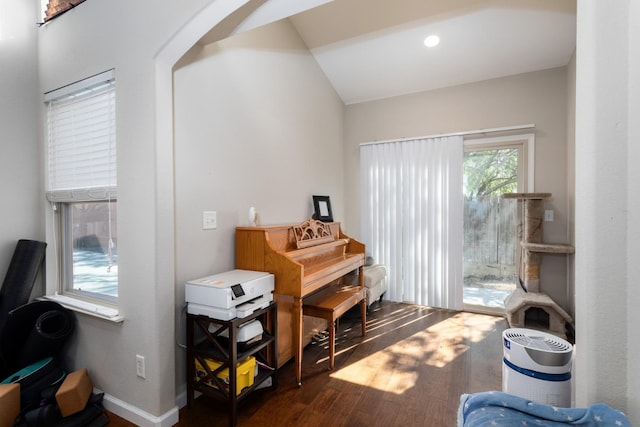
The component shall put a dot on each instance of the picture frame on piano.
(322, 206)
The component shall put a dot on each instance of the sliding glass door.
(491, 251)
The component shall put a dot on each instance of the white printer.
(224, 296)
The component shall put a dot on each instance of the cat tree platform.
(536, 310)
(532, 308)
(547, 248)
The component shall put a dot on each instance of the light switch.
(209, 220)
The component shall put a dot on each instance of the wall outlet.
(140, 370)
(548, 215)
(209, 220)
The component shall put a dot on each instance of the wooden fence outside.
(490, 238)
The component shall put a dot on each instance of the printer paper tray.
(243, 310)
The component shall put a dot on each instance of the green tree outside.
(490, 172)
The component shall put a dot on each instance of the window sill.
(89, 308)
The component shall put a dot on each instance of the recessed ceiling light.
(432, 41)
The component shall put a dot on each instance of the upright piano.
(304, 258)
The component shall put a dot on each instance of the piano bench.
(331, 303)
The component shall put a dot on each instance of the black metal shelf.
(225, 351)
(224, 394)
(206, 348)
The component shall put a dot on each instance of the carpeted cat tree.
(527, 307)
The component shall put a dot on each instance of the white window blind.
(82, 141)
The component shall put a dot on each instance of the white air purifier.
(537, 366)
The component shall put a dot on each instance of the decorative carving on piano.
(311, 233)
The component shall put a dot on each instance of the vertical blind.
(82, 141)
(411, 207)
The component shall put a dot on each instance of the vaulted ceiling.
(373, 49)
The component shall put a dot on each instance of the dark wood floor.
(409, 370)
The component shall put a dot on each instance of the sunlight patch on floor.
(372, 371)
(393, 369)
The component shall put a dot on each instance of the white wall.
(20, 161)
(571, 179)
(539, 98)
(132, 36)
(608, 205)
(633, 226)
(91, 38)
(142, 40)
(256, 124)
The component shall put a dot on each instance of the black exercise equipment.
(21, 275)
(33, 332)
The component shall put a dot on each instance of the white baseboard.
(181, 399)
(138, 416)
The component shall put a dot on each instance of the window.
(81, 147)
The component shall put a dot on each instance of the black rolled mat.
(25, 264)
(46, 338)
(33, 332)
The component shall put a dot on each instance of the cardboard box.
(74, 393)
(245, 373)
(9, 404)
